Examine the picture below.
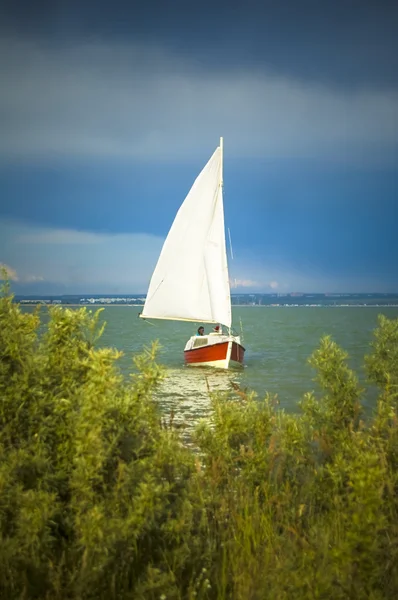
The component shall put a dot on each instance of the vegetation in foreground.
(100, 499)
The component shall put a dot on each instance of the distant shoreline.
(114, 305)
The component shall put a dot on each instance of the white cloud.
(244, 283)
(33, 278)
(59, 236)
(10, 273)
(81, 260)
(139, 102)
(274, 275)
(86, 262)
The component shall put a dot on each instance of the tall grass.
(100, 499)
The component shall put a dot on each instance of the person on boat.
(217, 329)
(201, 331)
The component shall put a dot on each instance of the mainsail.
(190, 281)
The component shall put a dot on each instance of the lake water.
(278, 342)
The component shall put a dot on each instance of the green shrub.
(306, 506)
(100, 499)
(96, 496)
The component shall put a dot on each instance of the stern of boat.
(214, 350)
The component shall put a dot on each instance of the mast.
(222, 160)
(221, 186)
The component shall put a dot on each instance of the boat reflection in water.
(185, 394)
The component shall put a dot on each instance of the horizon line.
(295, 294)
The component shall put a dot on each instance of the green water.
(278, 343)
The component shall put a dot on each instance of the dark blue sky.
(110, 110)
(349, 42)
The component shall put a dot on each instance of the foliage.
(100, 499)
(306, 505)
(95, 495)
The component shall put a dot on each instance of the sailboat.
(190, 281)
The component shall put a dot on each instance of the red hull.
(214, 352)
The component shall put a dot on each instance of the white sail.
(190, 281)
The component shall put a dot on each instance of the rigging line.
(241, 329)
(145, 321)
(230, 244)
